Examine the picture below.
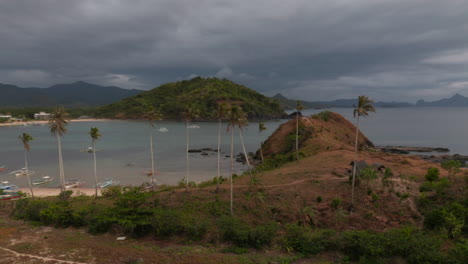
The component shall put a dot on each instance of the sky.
(389, 50)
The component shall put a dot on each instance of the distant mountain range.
(457, 100)
(77, 94)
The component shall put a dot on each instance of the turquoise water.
(128, 141)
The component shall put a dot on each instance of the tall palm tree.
(363, 108)
(26, 138)
(261, 128)
(190, 113)
(152, 115)
(95, 135)
(221, 113)
(58, 126)
(299, 108)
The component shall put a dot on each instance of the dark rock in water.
(294, 115)
(408, 150)
(204, 154)
(202, 150)
(194, 150)
(227, 156)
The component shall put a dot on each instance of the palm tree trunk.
(27, 172)
(297, 135)
(61, 174)
(355, 160)
(245, 154)
(187, 154)
(95, 169)
(232, 167)
(219, 156)
(261, 150)
(152, 160)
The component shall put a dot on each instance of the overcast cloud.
(315, 50)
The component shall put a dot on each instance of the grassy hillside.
(203, 93)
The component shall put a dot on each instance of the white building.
(41, 116)
(5, 116)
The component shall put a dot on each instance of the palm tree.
(57, 124)
(95, 135)
(363, 108)
(220, 115)
(152, 115)
(261, 128)
(299, 108)
(237, 118)
(26, 138)
(189, 114)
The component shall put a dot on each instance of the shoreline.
(44, 122)
(45, 192)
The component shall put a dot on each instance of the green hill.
(203, 93)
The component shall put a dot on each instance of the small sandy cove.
(44, 192)
(46, 121)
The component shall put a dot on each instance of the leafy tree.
(58, 126)
(95, 135)
(363, 108)
(152, 115)
(299, 108)
(191, 112)
(25, 139)
(452, 167)
(261, 128)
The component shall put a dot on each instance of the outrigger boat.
(88, 149)
(22, 172)
(3, 168)
(194, 126)
(73, 184)
(163, 129)
(44, 180)
(10, 196)
(107, 184)
(8, 187)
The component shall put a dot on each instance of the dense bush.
(324, 116)
(306, 241)
(242, 235)
(432, 174)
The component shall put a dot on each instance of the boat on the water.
(6, 186)
(73, 184)
(88, 149)
(3, 168)
(44, 180)
(163, 129)
(107, 183)
(194, 126)
(23, 172)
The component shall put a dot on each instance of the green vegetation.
(452, 167)
(324, 116)
(27, 113)
(205, 94)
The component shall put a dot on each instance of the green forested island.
(203, 94)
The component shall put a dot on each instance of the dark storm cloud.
(390, 50)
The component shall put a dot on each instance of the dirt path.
(45, 259)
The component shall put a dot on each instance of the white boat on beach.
(44, 180)
(107, 183)
(6, 186)
(73, 184)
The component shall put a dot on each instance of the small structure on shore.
(42, 116)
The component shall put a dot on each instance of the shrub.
(335, 203)
(305, 241)
(451, 166)
(432, 174)
(319, 199)
(242, 235)
(324, 116)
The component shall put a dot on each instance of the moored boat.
(73, 184)
(107, 183)
(44, 180)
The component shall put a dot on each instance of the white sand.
(44, 192)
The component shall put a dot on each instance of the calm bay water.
(128, 141)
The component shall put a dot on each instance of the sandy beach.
(44, 192)
(40, 122)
